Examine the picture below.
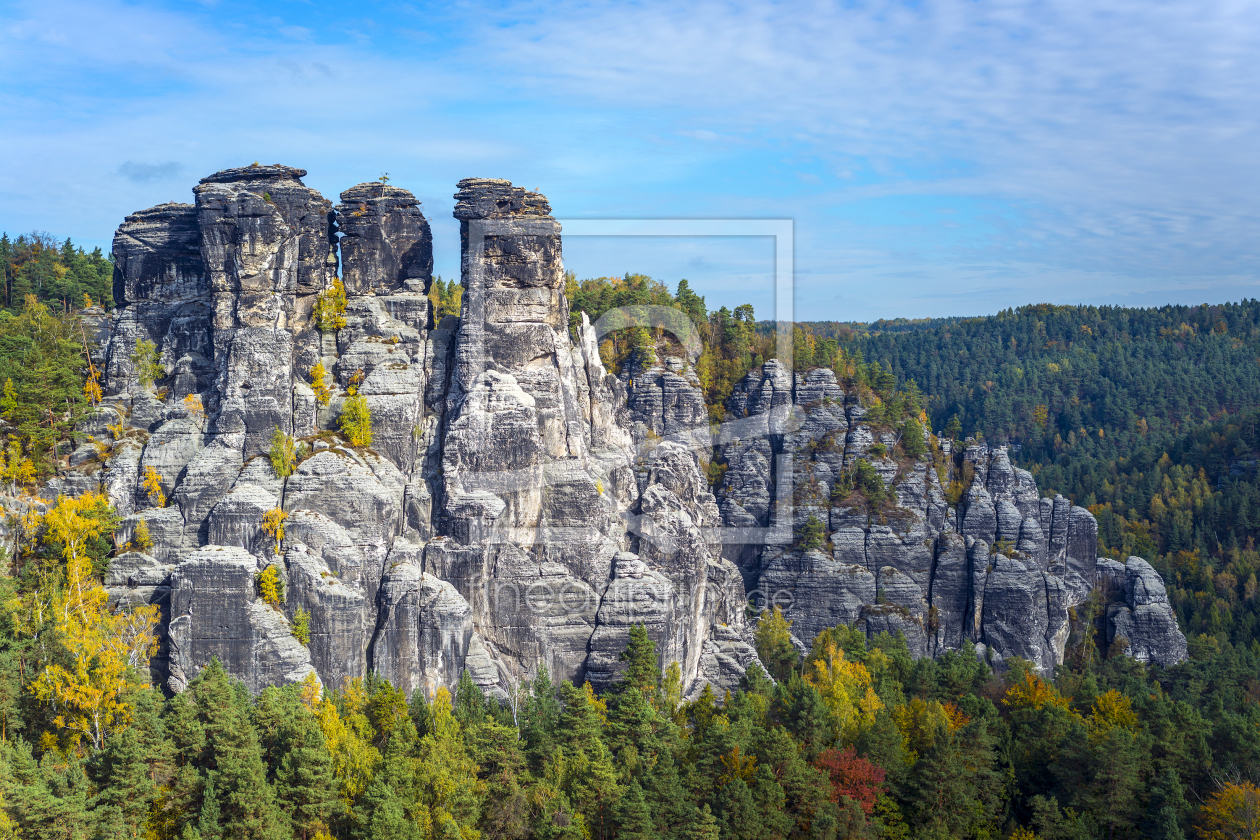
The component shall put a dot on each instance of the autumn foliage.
(852, 777)
(1232, 813)
(105, 648)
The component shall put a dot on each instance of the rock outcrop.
(1000, 568)
(519, 505)
(1143, 622)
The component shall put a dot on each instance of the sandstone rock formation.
(1001, 568)
(519, 505)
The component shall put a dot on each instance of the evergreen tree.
(232, 759)
(299, 765)
(643, 671)
(705, 826)
(540, 717)
(1166, 803)
(634, 820)
(470, 701)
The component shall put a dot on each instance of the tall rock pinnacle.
(518, 505)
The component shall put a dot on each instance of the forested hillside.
(857, 740)
(1146, 416)
(57, 273)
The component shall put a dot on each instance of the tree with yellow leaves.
(18, 471)
(319, 384)
(87, 691)
(1032, 692)
(273, 526)
(153, 487)
(330, 307)
(196, 409)
(270, 586)
(349, 738)
(845, 686)
(1232, 813)
(446, 776)
(1112, 710)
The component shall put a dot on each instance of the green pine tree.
(643, 671)
(634, 820)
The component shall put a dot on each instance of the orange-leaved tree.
(1232, 813)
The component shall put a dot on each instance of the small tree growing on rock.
(195, 408)
(148, 362)
(811, 536)
(283, 454)
(273, 526)
(322, 392)
(141, 539)
(330, 307)
(270, 586)
(153, 485)
(302, 626)
(356, 421)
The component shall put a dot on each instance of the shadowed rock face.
(386, 240)
(519, 505)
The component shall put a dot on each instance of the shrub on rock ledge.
(356, 421)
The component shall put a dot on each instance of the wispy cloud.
(144, 173)
(1094, 148)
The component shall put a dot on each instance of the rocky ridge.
(519, 505)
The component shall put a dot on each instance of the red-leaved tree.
(852, 776)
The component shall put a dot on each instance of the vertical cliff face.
(999, 569)
(518, 505)
(502, 518)
(386, 244)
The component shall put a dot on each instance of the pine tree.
(299, 765)
(232, 758)
(580, 722)
(705, 827)
(1167, 802)
(210, 821)
(634, 820)
(126, 769)
(643, 671)
(540, 716)
(470, 701)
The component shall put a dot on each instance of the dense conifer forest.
(57, 273)
(1148, 416)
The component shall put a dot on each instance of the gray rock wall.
(1001, 569)
(518, 505)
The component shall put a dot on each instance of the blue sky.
(937, 157)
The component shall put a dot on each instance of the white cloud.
(1118, 135)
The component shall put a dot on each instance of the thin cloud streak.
(1107, 140)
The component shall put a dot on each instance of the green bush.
(302, 626)
(812, 536)
(283, 454)
(148, 362)
(867, 482)
(356, 421)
